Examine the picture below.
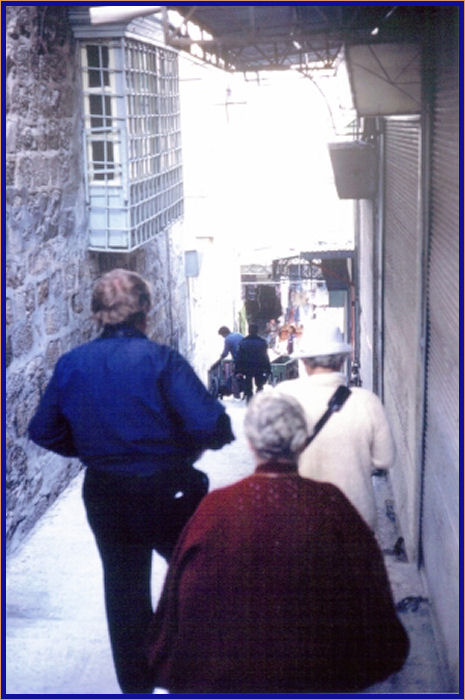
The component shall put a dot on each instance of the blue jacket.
(124, 403)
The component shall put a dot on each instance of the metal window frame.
(144, 194)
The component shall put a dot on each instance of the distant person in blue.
(231, 345)
(137, 416)
(252, 363)
(231, 342)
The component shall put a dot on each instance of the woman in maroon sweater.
(276, 584)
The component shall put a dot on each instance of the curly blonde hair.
(120, 296)
(276, 426)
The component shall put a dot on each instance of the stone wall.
(49, 271)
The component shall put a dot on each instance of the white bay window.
(132, 140)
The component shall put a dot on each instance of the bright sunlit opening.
(258, 149)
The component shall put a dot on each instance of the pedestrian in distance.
(271, 332)
(276, 585)
(232, 341)
(291, 338)
(280, 346)
(357, 439)
(252, 363)
(137, 416)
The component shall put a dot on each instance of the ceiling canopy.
(382, 44)
(275, 37)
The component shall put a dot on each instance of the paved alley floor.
(56, 637)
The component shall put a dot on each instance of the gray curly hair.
(120, 296)
(276, 426)
(333, 362)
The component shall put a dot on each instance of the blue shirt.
(124, 403)
(231, 344)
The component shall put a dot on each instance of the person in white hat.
(356, 440)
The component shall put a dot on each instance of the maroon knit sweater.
(276, 585)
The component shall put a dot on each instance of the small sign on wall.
(192, 263)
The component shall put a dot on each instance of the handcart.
(220, 378)
(283, 367)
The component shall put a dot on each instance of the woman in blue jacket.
(137, 416)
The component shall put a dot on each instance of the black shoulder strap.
(334, 404)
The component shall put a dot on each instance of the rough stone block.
(64, 313)
(50, 230)
(26, 409)
(40, 261)
(29, 300)
(61, 172)
(68, 101)
(42, 291)
(52, 353)
(67, 223)
(56, 283)
(16, 467)
(67, 132)
(10, 170)
(20, 23)
(22, 98)
(53, 320)
(11, 133)
(22, 339)
(8, 351)
(37, 205)
(77, 303)
(35, 371)
(27, 140)
(23, 172)
(88, 330)
(53, 136)
(43, 171)
(54, 202)
(70, 276)
(14, 385)
(8, 310)
(15, 274)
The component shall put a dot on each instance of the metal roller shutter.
(443, 276)
(441, 493)
(402, 313)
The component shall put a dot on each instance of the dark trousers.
(260, 380)
(130, 516)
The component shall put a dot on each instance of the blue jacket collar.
(122, 330)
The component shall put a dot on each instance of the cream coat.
(355, 441)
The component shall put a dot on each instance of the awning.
(385, 78)
(250, 38)
(334, 265)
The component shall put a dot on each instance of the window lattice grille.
(133, 139)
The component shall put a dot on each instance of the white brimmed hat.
(322, 339)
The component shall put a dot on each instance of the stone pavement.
(56, 638)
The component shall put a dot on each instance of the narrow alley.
(56, 637)
(269, 165)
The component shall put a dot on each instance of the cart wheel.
(213, 387)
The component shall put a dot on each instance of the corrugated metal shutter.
(403, 241)
(443, 274)
(441, 492)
